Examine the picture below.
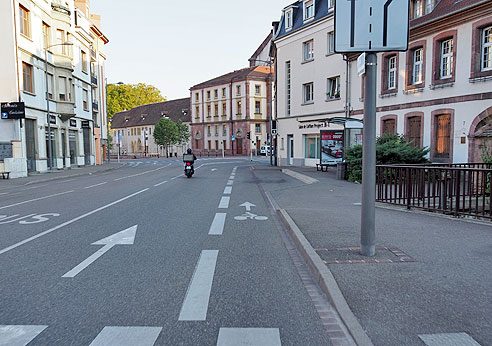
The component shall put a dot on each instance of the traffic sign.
(233, 137)
(375, 25)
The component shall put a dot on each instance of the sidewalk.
(432, 274)
(60, 174)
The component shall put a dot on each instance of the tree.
(166, 133)
(123, 97)
(183, 132)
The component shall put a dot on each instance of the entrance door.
(64, 147)
(239, 146)
(30, 145)
(87, 147)
(290, 149)
(53, 147)
(72, 146)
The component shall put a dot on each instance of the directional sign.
(374, 25)
(126, 237)
(247, 205)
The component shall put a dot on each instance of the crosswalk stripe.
(249, 337)
(127, 336)
(19, 335)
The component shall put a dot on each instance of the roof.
(151, 114)
(245, 73)
(263, 45)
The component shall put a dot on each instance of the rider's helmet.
(189, 151)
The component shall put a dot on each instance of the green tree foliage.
(390, 149)
(166, 132)
(123, 97)
(183, 132)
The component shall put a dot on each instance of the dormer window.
(308, 9)
(289, 19)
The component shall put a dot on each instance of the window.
(224, 109)
(331, 42)
(389, 126)
(209, 131)
(216, 93)
(50, 86)
(414, 130)
(25, 25)
(288, 19)
(392, 72)
(62, 87)
(287, 89)
(258, 89)
(418, 61)
(443, 136)
(27, 78)
(209, 144)
(308, 50)
(447, 58)
(429, 6)
(86, 100)
(197, 112)
(418, 8)
(223, 92)
(216, 145)
(216, 130)
(197, 97)
(257, 107)
(331, 3)
(224, 130)
(208, 95)
(209, 111)
(46, 35)
(333, 88)
(238, 90)
(487, 49)
(238, 109)
(257, 128)
(312, 146)
(216, 109)
(308, 92)
(308, 9)
(60, 41)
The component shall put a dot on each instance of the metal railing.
(457, 189)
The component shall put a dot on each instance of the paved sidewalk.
(60, 174)
(432, 275)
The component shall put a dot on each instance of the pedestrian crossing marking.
(19, 335)
(249, 337)
(127, 336)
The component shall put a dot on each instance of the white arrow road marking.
(127, 336)
(19, 335)
(249, 337)
(247, 205)
(39, 218)
(217, 227)
(224, 202)
(195, 305)
(126, 237)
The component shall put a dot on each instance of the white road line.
(146, 172)
(232, 177)
(19, 335)
(448, 339)
(224, 202)
(217, 227)
(35, 199)
(127, 336)
(39, 235)
(230, 182)
(34, 187)
(195, 305)
(249, 337)
(4, 193)
(67, 180)
(228, 190)
(164, 182)
(88, 187)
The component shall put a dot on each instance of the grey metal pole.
(270, 101)
(50, 152)
(368, 224)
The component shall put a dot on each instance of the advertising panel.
(331, 147)
(13, 110)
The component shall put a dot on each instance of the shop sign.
(73, 123)
(13, 110)
(86, 124)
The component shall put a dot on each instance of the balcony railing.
(57, 6)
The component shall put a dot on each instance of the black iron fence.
(456, 189)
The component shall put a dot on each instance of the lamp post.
(270, 135)
(50, 150)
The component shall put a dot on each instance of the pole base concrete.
(368, 250)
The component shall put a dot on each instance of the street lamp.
(50, 150)
(269, 62)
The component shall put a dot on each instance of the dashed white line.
(138, 174)
(195, 305)
(4, 193)
(224, 202)
(36, 199)
(88, 187)
(217, 227)
(164, 182)
(230, 182)
(228, 190)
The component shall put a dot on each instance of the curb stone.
(326, 280)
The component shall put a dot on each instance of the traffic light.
(249, 135)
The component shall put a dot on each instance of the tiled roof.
(443, 9)
(250, 72)
(151, 114)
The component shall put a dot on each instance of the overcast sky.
(174, 45)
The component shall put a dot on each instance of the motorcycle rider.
(190, 152)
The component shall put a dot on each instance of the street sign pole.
(368, 227)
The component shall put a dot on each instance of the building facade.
(136, 128)
(226, 109)
(55, 60)
(437, 94)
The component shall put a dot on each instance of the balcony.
(57, 6)
(94, 80)
(95, 107)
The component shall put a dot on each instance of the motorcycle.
(189, 169)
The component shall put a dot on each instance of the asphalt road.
(155, 276)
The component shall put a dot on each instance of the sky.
(174, 45)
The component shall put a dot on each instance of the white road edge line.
(164, 182)
(195, 305)
(39, 235)
(224, 202)
(217, 227)
(35, 199)
(88, 187)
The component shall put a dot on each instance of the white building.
(437, 93)
(65, 33)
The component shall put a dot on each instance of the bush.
(390, 149)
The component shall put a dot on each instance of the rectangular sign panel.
(5, 150)
(371, 25)
(13, 110)
(331, 147)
